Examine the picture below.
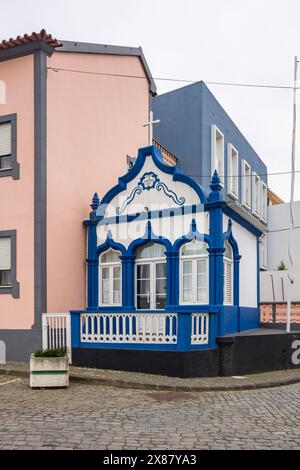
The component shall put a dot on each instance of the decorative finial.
(216, 188)
(193, 226)
(95, 202)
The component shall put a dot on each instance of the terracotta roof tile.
(26, 38)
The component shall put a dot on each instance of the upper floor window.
(110, 278)
(5, 262)
(194, 273)
(151, 277)
(217, 152)
(228, 274)
(246, 184)
(264, 201)
(8, 146)
(256, 194)
(8, 263)
(233, 171)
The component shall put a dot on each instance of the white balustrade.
(56, 329)
(200, 328)
(134, 328)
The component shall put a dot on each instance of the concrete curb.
(251, 383)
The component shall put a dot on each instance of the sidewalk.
(157, 382)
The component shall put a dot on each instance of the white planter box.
(49, 371)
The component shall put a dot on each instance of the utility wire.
(249, 85)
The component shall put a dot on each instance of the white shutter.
(5, 253)
(5, 139)
(227, 282)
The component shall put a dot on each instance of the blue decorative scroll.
(149, 181)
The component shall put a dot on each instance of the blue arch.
(109, 243)
(130, 256)
(193, 234)
(93, 285)
(228, 235)
(156, 155)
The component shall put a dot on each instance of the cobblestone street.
(97, 417)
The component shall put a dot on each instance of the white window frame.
(194, 259)
(264, 201)
(227, 261)
(256, 194)
(246, 181)
(152, 262)
(217, 152)
(232, 171)
(110, 266)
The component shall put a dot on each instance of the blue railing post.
(184, 332)
(75, 328)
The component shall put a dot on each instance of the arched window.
(110, 278)
(151, 277)
(228, 274)
(194, 281)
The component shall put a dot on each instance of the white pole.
(290, 246)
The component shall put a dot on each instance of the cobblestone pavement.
(95, 417)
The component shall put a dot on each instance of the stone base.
(240, 354)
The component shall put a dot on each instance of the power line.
(246, 176)
(169, 79)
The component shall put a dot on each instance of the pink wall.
(93, 122)
(16, 196)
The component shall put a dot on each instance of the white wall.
(247, 243)
(278, 240)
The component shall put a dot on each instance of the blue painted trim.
(156, 155)
(243, 222)
(258, 272)
(193, 234)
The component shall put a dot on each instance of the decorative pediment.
(150, 185)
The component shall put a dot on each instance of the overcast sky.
(249, 41)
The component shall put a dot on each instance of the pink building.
(70, 113)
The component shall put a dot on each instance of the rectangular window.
(264, 201)
(233, 171)
(256, 193)
(5, 261)
(8, 263)
(5, 146)
(246, 184)
(217, 152)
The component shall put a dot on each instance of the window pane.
(187, 281)
(143, 302)
(5, 278)
(116, 297)
(143, 286)
(105, 285)
(151, 250)
(143, 271)
(117, 284)
(194, 248)
(161, 301)
(110, 256)
(105, 273)
(187, 267)
(201, 266)
(161, 270)
(201, 295)
(161, 286)
(5, 163)
(5, 138)
(187, 295)
(117, 272)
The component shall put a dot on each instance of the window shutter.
(5, 139)
(5, 253)
(227, 282)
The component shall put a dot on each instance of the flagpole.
(291, 225)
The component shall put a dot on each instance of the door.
(151, 285)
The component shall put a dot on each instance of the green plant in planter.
(59, 352)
